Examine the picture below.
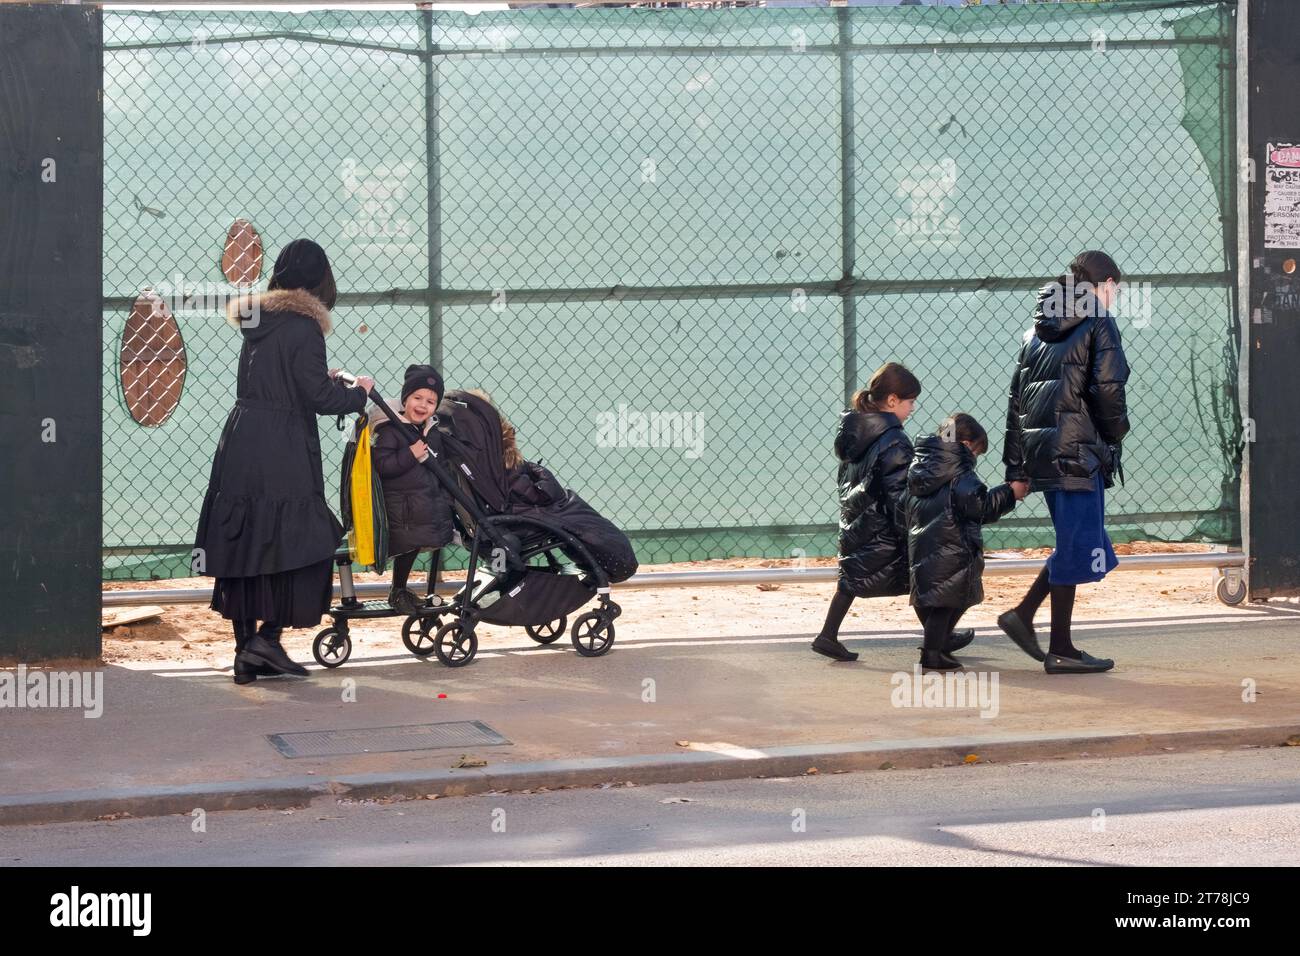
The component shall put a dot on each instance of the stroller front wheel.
(455, 644)
(593, 635)
(331, 648)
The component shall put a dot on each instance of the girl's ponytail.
(890, 379)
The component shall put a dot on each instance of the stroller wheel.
(416, 636)
(548, 633)
(592, 635)
(331, 648)
(455, 644)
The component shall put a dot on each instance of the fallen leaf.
(1292, 741)
(676, 800)
(811, 772)
(683, 743)
(972, 758)
(769, 587)
(467, 761)
(887, 765)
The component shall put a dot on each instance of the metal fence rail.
(671, 243)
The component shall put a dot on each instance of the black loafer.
(1056, 664)
(939, 661)
(959, 639)
(833, 649)
(1022, 634)
(261, 652)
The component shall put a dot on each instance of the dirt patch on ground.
(193, 635)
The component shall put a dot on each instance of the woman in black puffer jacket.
(1066, 418)
(874, 454)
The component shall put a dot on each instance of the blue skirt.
(1083, 553)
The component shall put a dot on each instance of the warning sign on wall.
(1282, 197)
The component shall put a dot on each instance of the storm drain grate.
(372, 740)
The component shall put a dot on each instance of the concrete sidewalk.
(689, 708)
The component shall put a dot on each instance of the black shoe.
(833, 649)
(261, 652)
(939, 661)
(959, 639)
(1087, 664)
(408, 602)
(1022, 634)
(246, 673)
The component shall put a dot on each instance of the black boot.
(245, 672)
(263, 650)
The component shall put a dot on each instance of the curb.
(682, 767)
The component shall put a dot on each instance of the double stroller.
(529, 566)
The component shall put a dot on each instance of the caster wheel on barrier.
(1230, 590)
(592, 635)
(331, 648)
(548, 633)
(417, 636)
(455, 644)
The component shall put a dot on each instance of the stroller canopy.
(471, 438)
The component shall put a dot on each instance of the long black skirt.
(294, 598)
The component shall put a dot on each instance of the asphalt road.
(1211, 808)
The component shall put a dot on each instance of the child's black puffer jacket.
(874, 454)
(946, 506)
(419, 512)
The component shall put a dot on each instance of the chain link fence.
(671, 242)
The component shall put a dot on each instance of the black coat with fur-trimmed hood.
(265, 508)
(874, 454)
(1067, 411)
(947, 505)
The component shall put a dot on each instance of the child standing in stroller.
(419, 512)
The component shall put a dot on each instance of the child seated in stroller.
(419, 511)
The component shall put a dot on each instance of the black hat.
(300, 265)
(421, 376)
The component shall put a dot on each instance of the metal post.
(848, 224)
(1244, 312)
(433, 197)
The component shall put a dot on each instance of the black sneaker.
(1022, 634)
(829, 647)
(1086, 664)
(408, 602)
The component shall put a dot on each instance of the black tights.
(1062, 596)
(938, 623)
(843, 600)
(403, 563)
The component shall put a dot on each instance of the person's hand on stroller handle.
(352, 381)
(420, 450)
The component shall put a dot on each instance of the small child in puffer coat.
(947, 506)
(419, 511)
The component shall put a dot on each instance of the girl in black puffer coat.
(874, 454)
(419, 511)
(946, 506)
(1066, 417)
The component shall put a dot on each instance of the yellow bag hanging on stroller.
(362, 501)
